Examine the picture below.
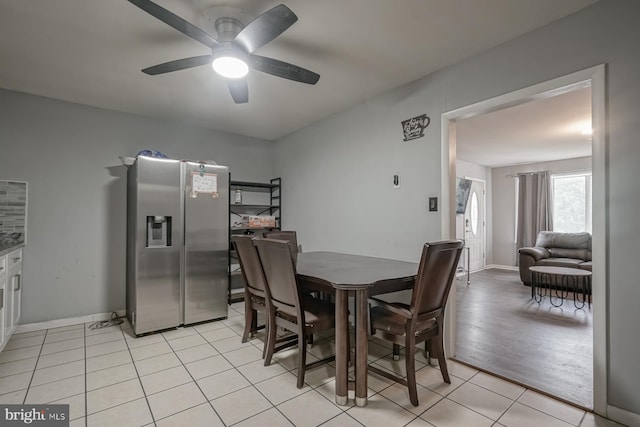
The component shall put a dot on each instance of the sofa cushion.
(585, 265)
(554, 239)
(560, 262)
(582, 254)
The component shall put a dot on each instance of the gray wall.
(504, 202)
(74, 262)
(338, 173)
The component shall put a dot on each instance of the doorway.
(594, 78)
(474, 225)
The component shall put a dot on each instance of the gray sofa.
(552, 248)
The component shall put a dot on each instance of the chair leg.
(302, 358)
(437, 346)
(270, 345)
(396, 351)
(349, 358)
(410, 350)
(250, 322)
(267, 334)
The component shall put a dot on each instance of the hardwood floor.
(501, 330)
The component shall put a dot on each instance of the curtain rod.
(515, 175)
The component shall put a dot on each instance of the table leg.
(536, 284)
(342, 347)
(362, 346)
(576, 297)
(553, 280)
(468, 266)
(534, 279)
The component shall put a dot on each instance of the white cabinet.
(13, 290)
(10, 294)
(3, 299)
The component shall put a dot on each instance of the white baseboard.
(38, 326)
(625, 417)
(503, 267)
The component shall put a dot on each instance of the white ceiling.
(91, 52)
(537, 131)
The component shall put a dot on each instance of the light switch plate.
(433, 204)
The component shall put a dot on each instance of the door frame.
(594, 77)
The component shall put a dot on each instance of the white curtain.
(534, 207)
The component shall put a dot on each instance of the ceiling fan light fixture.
(230, 66)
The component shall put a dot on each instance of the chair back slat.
(249, 262)
(279, 272)
(436, 272)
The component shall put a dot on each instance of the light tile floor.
(205, 376)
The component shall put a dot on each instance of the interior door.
(474, 226)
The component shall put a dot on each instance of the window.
(571, 202)
(474, 214)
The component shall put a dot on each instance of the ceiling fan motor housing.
(228, 28)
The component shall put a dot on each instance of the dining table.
(359, 277)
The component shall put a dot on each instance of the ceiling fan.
(232, 53)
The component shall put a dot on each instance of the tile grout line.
(585, 411)
(24, 401)
(186, 369)
(86, 392)
(184, 366)
(253, 385)
(188, 372)
(153, 418)
(311, 388)
(196, 382)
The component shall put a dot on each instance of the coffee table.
(560, 281)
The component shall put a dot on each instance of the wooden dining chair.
(256, 297)
(254, 289)
(289, 235)
(292, 238)
(422, 319)
(293, 311)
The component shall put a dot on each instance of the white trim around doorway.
(593, 77)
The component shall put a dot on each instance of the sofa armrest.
(528, 257)
(536, 252)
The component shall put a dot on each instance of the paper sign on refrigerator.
(204, 183)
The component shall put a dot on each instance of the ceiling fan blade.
(239, 90)
(177, 65)
(265, 28)
(176, 22)
(283, 69)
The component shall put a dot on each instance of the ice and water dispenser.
(158, 231)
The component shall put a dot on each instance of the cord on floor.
(113, 321)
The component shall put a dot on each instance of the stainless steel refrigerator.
(177, 243)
